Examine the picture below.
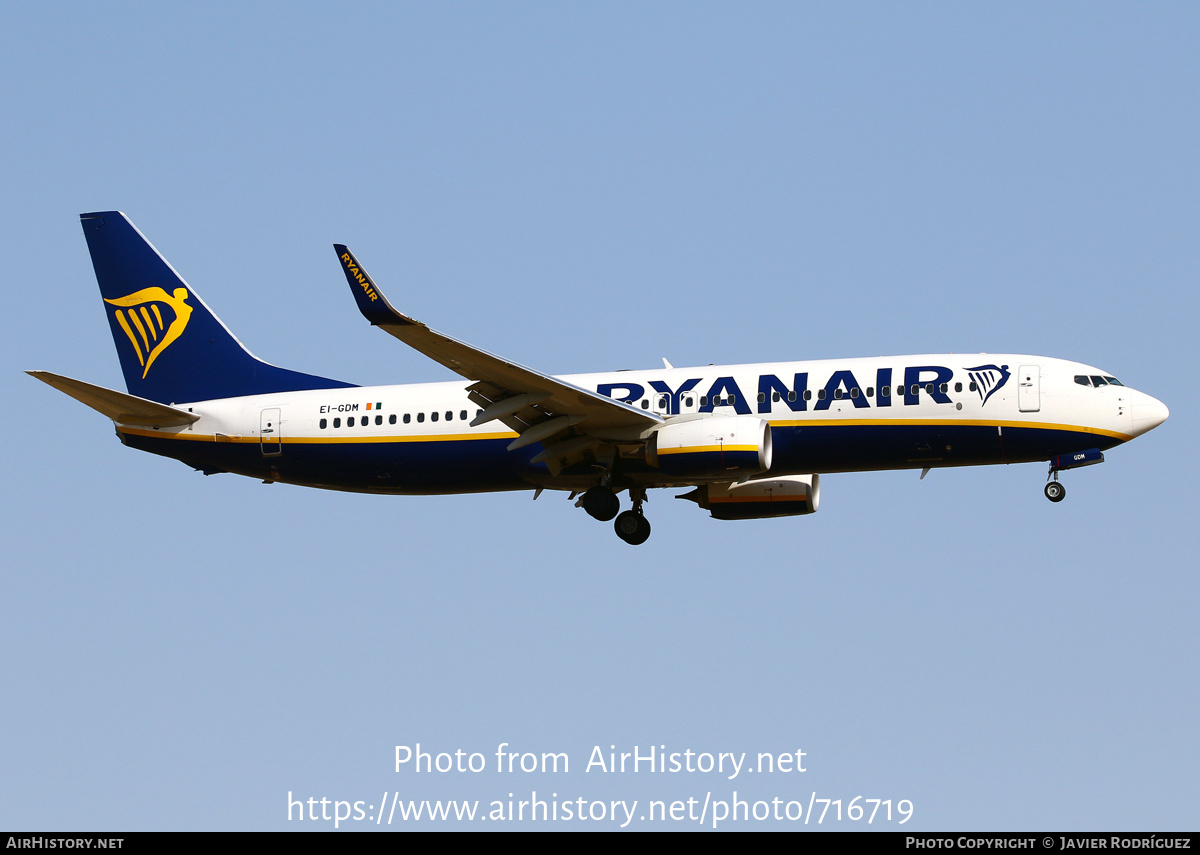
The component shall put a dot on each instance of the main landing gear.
(602, 503)
(632, 527)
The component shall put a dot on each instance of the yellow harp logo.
(142, 313)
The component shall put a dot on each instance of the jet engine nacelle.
(718, 446)
(790, 495)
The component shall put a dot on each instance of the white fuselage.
(826, 416)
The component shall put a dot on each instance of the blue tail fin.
(172, 348)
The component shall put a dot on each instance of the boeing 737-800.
(746, 441)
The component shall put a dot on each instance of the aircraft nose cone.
(1148, 413)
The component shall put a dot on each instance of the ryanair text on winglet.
(359, 276)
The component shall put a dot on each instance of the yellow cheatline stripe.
(460, 437)
(949, 422)
(316, 440)
(696, 449)
(449, 437)
(125, 326)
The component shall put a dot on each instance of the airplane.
(745, 441)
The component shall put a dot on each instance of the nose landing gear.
(1055, 491)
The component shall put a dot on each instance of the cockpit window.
(1113, 381)
(1098, 381)
(1082, 380)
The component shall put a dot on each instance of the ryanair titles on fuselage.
(842, 385)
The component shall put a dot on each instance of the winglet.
(371, 302)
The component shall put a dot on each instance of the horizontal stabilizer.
(121, 408)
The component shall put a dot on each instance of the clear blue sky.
(583, 189)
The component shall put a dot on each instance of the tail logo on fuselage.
(140, 316)
(988, 379)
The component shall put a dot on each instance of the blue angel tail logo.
(987, 379)
(141, 319)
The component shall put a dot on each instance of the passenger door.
(270, 436)
(1029, 385)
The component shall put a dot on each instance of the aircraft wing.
(118, 406)
(535, 405)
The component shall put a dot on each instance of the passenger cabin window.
(392, 419)
(337, 423)
(379, 420)
(885, 391)
(420, 417)
(324, 424)
(792, 395)
(958, 387)
(433, 417)
(350, 422)
(820, 394)
(462, 414)
(854, 392)
(407, 418)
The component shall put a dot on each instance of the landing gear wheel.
(632, 527)
(601, 503)
(1055, 491)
